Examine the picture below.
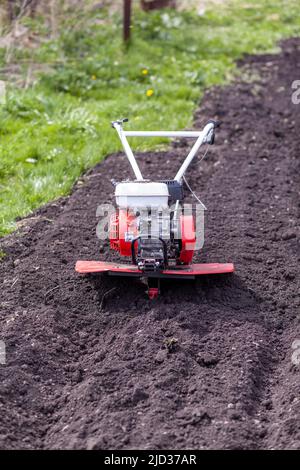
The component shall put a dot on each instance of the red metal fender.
(188, 238)
(191, 270)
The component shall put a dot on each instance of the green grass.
(54, 130)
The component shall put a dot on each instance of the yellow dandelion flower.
(93, 77)
(145, 72)
(149, 92)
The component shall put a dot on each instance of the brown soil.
(92, 371)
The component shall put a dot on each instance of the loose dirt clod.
(78, 377)
(170, 344)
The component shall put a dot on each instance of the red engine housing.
(122, 223)
(123, 228)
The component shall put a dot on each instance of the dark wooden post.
(10, 10)
(126, 20)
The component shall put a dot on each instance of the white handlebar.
(204, 136)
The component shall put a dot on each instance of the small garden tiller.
(151, 225)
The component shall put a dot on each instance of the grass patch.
(54, 130)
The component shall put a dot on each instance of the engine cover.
(122, 230)
(138, 194)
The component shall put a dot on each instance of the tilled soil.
(86, 359)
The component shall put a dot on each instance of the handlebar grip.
(119, 122)
(215, 123)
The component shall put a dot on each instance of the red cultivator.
(151, 225)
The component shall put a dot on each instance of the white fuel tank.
(142, 194)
